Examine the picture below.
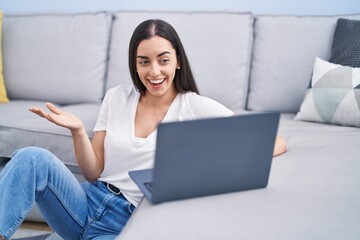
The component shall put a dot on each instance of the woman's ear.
(178, 62)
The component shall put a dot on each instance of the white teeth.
(156, 81)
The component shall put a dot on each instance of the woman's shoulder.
(202, 106)
(195, 99)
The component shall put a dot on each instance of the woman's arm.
(89, 156)
(280, 146)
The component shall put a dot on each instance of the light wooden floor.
(35, 226)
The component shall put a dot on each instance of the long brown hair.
(183, 80)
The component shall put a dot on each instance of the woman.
(124, 139)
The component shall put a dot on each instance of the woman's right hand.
(89, 156)
(59, 117)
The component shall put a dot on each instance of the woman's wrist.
(78, 131)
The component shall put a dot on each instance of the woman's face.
(156, 64)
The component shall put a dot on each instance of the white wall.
(297, 7)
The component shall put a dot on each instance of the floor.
(32, 230)
(35, 226)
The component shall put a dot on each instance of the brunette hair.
(183, 80)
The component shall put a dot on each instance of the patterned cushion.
(333, 96)
(346, 43)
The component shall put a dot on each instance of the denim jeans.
(72, 210)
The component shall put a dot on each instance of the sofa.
(248, 62)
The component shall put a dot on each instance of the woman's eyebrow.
(159, 55)
(142, 57)
(163, 53)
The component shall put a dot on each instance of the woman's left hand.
(280, 146)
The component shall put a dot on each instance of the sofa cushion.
(56, 57)
(21, 128)
(313, 190)
(346, 43)
(284, 51)
(333, 96)
(218, 46)
(3, 94)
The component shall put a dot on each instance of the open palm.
(59, 117)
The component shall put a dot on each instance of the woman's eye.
(164, 60)
(143, 62)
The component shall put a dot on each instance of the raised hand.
(59, 117)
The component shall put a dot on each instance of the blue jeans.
(72, 210)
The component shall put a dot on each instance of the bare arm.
(89, 155)
(280, 146)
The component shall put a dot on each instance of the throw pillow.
(333, 96)
(3, 95)
(346, 43)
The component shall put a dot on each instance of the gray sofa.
(247, 62)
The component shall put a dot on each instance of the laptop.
(210, 156)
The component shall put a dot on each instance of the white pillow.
(333, 96)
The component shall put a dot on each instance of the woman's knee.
(32, 155)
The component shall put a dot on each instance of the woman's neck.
(158, 101)
(150, 111)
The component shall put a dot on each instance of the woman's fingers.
(59, 117)
(39, 112)
(52, 108)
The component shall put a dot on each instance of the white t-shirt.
(123, 151)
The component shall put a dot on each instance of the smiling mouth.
(156, 81)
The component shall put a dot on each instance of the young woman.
(124, 139)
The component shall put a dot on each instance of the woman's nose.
(155, 70)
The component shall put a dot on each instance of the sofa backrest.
(284, 52)
(56, 57)
(261, 66)
(218, 46)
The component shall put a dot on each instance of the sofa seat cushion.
(20, 128)
(218, 46)
(316, 182)
(56, 57)
(313, 192)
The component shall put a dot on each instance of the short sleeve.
(204, 107)
(103, 114)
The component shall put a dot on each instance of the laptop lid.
(212, 156)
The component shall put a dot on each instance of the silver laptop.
(210, 156)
